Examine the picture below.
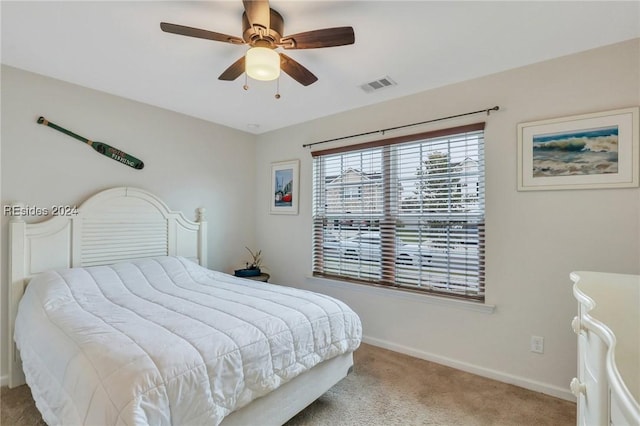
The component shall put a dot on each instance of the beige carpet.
(388, 388)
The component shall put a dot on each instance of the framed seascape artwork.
(598, 150)
(284, 187)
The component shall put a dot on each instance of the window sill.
(398, 294)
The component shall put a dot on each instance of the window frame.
(391, 215)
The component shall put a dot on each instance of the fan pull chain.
(278, 88)
(246, 86)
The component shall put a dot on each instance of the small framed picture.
(284, 187)
(598, 150)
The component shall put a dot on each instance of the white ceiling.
(118, 47)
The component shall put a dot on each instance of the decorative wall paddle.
(101, 147)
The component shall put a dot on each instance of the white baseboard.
(474, 369)
(4, 380)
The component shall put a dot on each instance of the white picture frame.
(597, 150)
(284, 195)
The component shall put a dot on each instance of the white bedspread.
(164, 341)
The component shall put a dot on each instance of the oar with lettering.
(101, 147)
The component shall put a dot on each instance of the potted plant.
(252, 269)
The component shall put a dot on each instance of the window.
(352, 192)
(406, 212)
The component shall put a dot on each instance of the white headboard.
(111, 226)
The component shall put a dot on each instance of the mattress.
(164, 341)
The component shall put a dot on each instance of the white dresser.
(608, 327)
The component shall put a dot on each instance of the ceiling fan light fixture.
(262, 30)
(262, 63)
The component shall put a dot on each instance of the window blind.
(405, 212)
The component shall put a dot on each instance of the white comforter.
(164, 341)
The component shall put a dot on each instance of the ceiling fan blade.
(258, 13)
(327, 37)
(296, 71)
(234, 71)
(198, 33)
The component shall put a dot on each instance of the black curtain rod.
(488, 111)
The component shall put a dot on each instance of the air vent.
(378, 84)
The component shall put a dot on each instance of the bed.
(122, 323)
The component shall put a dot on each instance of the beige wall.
(534, 239)
(189, 163)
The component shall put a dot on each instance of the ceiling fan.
(262, 29)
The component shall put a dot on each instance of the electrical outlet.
(537, 344)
